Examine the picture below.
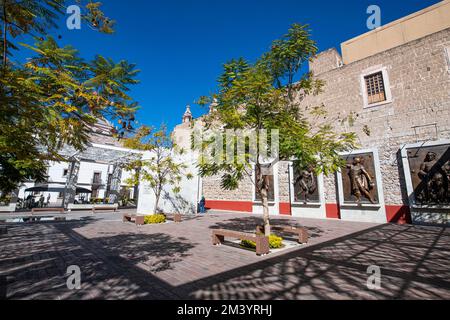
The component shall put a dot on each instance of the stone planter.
(9, 208)
(92, 206)
(80, 207)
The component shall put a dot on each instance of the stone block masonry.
(419, 83)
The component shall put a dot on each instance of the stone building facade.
(397, 91)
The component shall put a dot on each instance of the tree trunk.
(265, 204)
(155, 210)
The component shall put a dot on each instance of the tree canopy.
(268, 95)
(52, 98)
(162, 168)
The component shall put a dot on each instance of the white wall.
(87, 170)
(86, 173)
(56, 171)
(184, 202)
(125, 175)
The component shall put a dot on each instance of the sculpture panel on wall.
(305, 185)
(359, 179)
(430, 174)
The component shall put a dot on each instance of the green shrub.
(275, 242)
(5, 200)
(154, 219)
(96, 201)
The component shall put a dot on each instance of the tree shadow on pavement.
(414, 263)
(36, 258)
(248, 224)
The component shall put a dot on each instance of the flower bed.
(155, 219)
(275, 242)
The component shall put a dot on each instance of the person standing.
(41, 201)
(28, 201)
(48, 200)
(202, 204)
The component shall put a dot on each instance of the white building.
(97, 169)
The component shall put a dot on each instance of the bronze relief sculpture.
(360, 182)
(305, 185)
(430, 173)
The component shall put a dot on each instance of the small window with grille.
(375, 88)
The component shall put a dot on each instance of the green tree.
(267, 95)
(51, 99)
(162, 168)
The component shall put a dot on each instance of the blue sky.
(180, 46)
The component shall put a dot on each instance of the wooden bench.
(138, 220)
(301, 232)
(61, 210)
(103, 209)
(3, 230)
(262, 242)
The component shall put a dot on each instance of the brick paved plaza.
(177, 261)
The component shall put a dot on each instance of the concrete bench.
(262, 242)
(301, 232)
(106, 208)
(138, 220)
(60, 210)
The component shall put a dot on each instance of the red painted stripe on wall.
(285, 208)
(244, 206)
(394, 213)
(398, 214)
(332, 211)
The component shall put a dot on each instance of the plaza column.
(14, 198)
(71, 183)
(136, 188)
(115, 184)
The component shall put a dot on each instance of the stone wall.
(213, 191)
(420, 86)
(418, 77)
(325, 61)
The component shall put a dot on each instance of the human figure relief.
(307, 182)
(446, 169)
(361, 181)
(437, 189)
(434, 180)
